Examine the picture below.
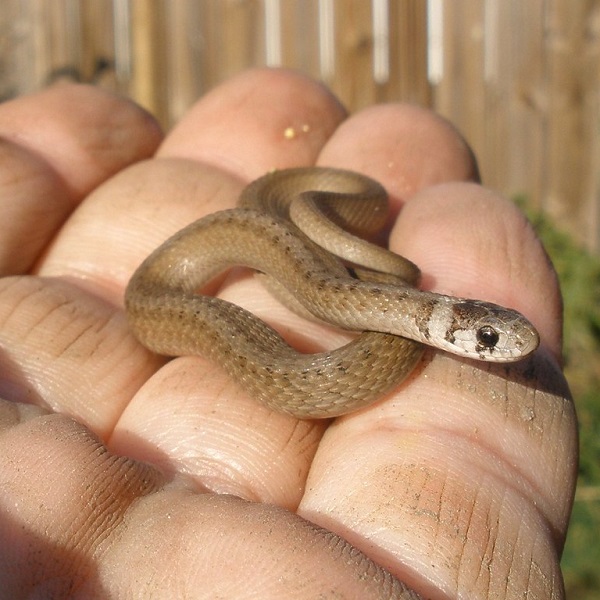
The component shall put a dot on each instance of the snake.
(308, 232)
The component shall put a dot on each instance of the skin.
(122, 475)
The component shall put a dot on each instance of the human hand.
(126, 475)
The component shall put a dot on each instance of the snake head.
(489, 332)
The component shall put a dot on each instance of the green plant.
(579, 275)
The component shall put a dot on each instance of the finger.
(464, 456)
(55, 150)
(86, 134)
(408, 147)
(226, 443)
(34, 202)
(68, 351)
(128, 216)
(257, 121)
(79, 520)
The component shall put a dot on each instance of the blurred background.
(521, 80)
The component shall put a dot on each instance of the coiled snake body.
(269, 232)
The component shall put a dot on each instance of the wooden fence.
(520, 79)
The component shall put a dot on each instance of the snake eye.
(487, 336)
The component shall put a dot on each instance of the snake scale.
(300, 227)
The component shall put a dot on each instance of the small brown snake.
(269, 231)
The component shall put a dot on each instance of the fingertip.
(129, 215)
(256, 121)
(34, 202)
(85, 133)
(404, 146)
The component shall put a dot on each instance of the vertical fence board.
(572, 86)
(589, 166)
(408, 78)
(300, 36)
(98, 48)
(460, 92)
(148, 74)
(184, 64)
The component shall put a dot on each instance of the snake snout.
(489, 332)
(505, 336)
